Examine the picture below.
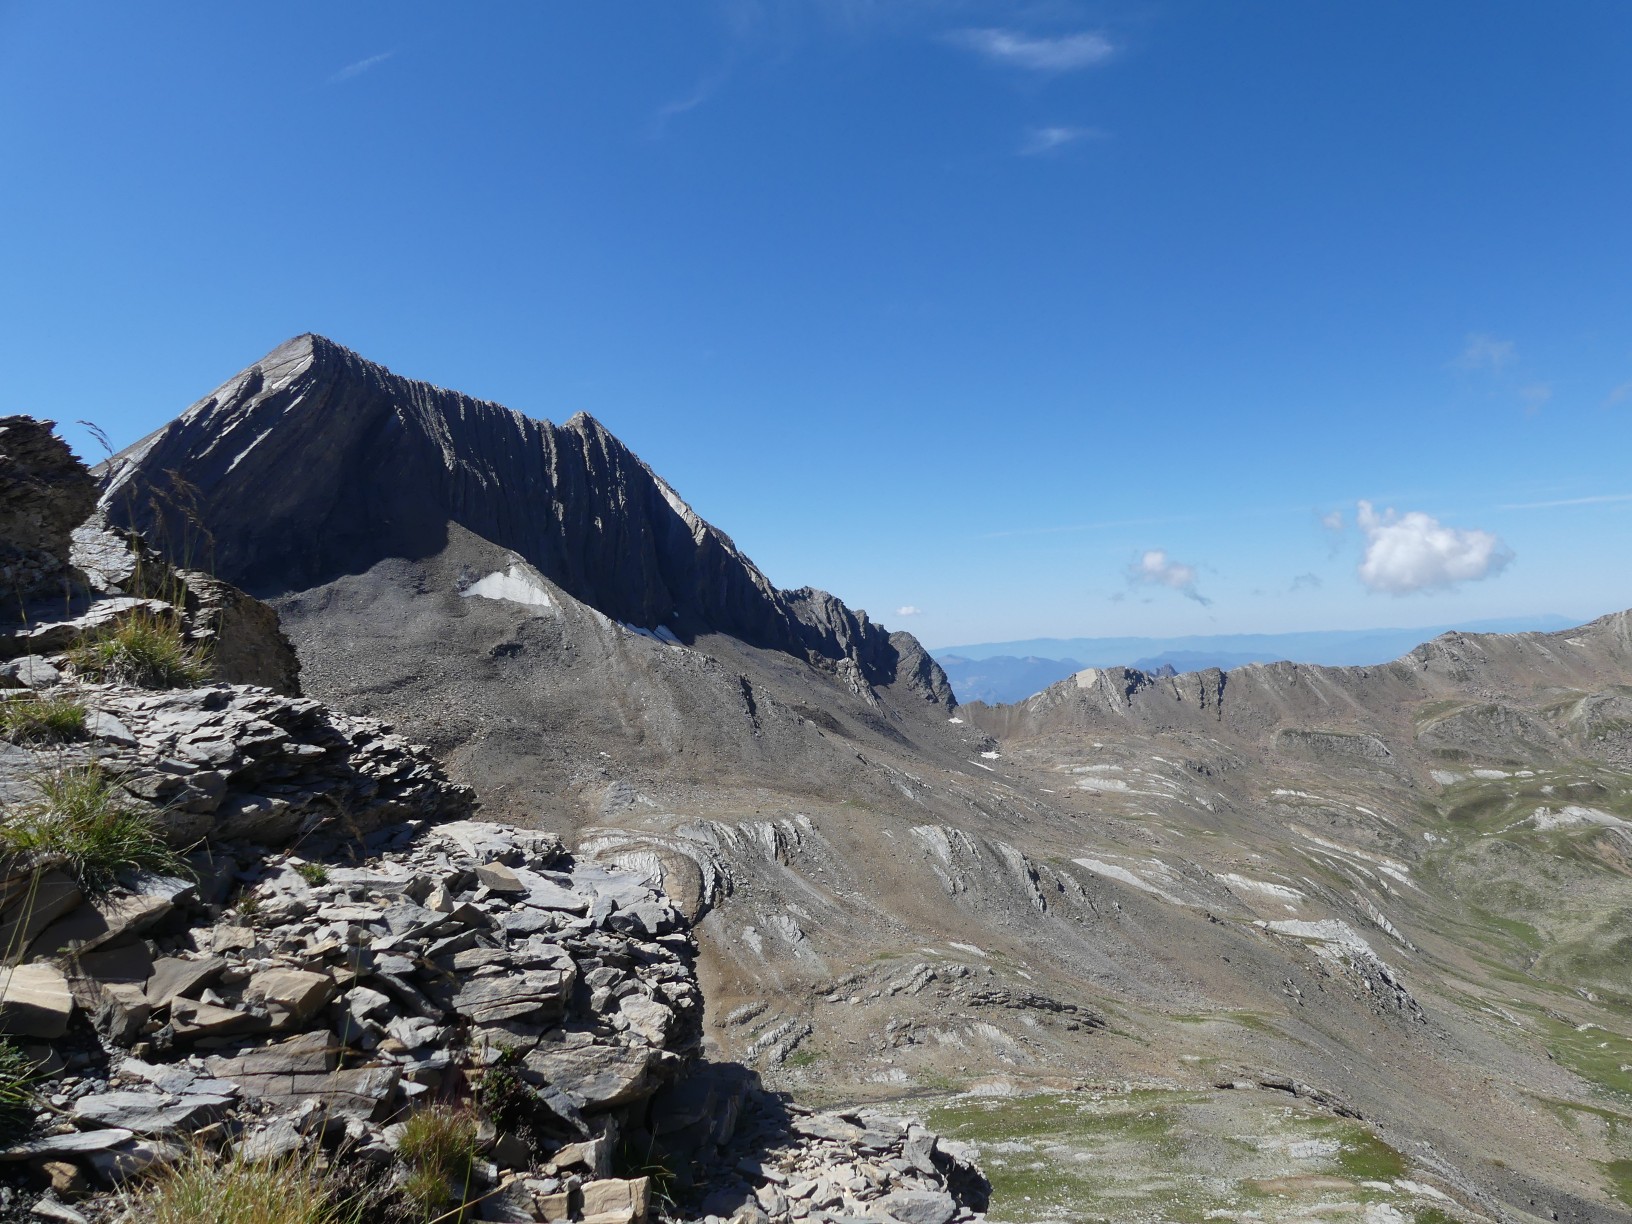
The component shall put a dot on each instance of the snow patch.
(1260, 886)
(1574, 814)
(515, 586)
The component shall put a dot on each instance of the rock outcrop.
(45, 493)
(315, 463)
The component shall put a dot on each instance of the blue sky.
(998, 320)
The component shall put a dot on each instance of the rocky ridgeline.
(346, 946)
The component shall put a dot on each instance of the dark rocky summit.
(315, 463)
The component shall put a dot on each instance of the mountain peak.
(315, 463)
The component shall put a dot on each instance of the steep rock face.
(314, 464)
(44, 494)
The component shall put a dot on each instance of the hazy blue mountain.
(1012, 671)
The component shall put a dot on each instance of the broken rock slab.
(35, 1001)
(150, 1113)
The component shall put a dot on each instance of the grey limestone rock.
(45, 492)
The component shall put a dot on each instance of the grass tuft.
(18, 1073)
(98, 831)
(145, 650)
(203, 1188)
(42, 720)
(438, 1148)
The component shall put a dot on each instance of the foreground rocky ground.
(332, 949)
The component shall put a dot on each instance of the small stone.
(66, 1179)
(499, 878)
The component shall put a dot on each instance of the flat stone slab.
(540, 993)
(73, 1144)
(150, 1113)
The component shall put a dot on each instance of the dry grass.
(145, 650)
(42, 719)
(438, 1149)
(85, 820)
(203, 1188)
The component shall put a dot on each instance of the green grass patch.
(144, 650)
(1365, 1157)
(1619, 1173)
(18, 1075)
(46, 719)
(87, 822)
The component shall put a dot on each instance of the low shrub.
(46, 719)
(314, 874)
(203, 1188)
(145, 650)
(85, 819)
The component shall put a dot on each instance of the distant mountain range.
(997, 672)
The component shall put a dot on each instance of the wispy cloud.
(1619, 395)
(669, 111)
(1482, 352)
(909, 610)
(1595, 500)
(361, 66)
(1037, 52)
(1307, 582)
(1156, 568)
(1041, 140)
(1535, 395)
(1414, 552)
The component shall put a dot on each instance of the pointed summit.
(315, 463)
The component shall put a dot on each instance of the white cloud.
(1412, 552)
(1482, 352)
(1037, 53)
(360, 67)
(1156, 568)
(909, 610)
(1332, 521)
(1047, 139)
